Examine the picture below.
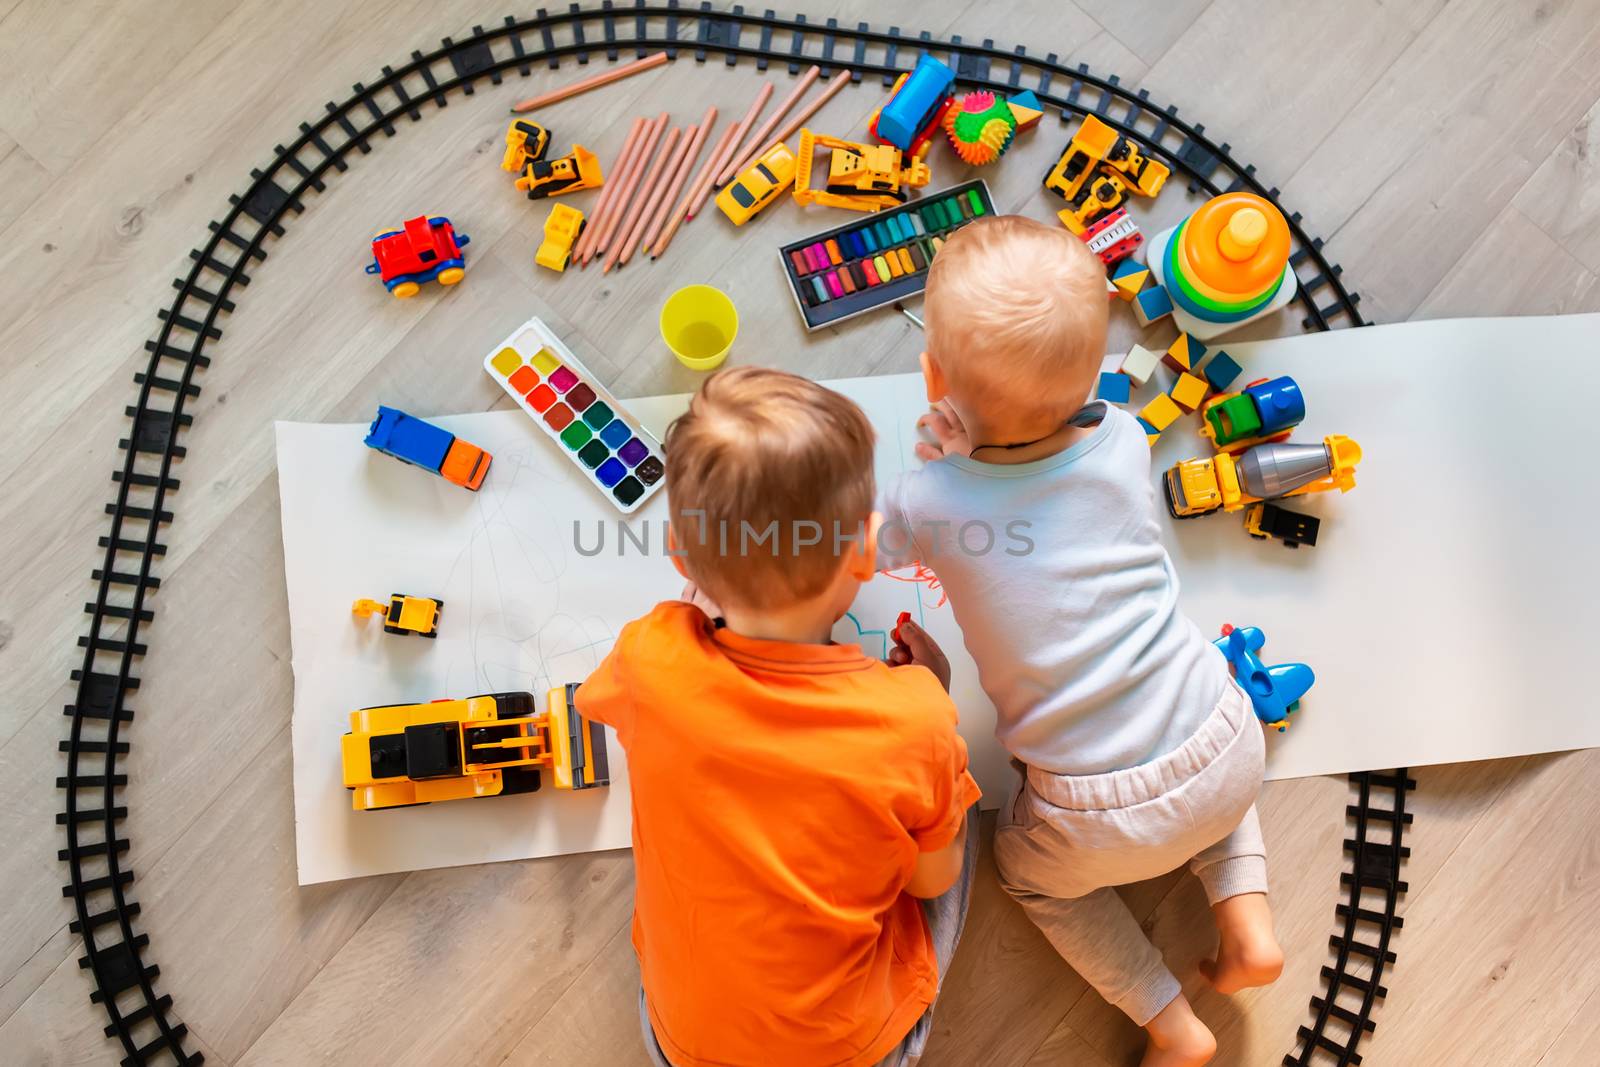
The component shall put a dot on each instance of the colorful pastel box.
(587, 423)
(863, 265)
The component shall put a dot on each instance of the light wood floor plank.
(1146, 30)
(1513, 268)
(596, 1020)
(23, 179)
(76, 70)
(1420, 166)
(1561, 196)
(1276, 103)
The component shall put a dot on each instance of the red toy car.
(427, 249)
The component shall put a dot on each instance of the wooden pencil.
(642, 193)
(702, 181)
(608, 191)
(658, 191)
(838, 83)
(641, 157)
(605, 77)
(701, 133)
(760, 139)
(738, 134)
(724, 150)
(626, 184)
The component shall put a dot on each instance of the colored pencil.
(627, 159)
(701, 133)
(608, 191)
(839, 82)
(658, 193)
(596, 81)
(641, 156)
(642, 193)
(759, 140)
(695, 192)
(739, 131)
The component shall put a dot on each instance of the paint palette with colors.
(588, 424)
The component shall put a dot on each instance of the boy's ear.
(862, 562)
(933, 378)
(674, 555)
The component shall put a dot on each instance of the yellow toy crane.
(861, 177)
(490, 745)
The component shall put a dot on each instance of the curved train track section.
(115, 953)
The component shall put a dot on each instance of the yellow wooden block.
(1161, 412)
(1189, 392)
(1128, 285)
(1184, 354)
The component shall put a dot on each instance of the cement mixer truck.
(1266, 472)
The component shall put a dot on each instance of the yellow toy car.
(1266, 472)
(758, 185)
(561, 229)
(484, 746)
(404, 614)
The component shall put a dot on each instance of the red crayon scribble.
(920, 575)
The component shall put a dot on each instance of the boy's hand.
(694, 595)
(946, 427)
(912, 644)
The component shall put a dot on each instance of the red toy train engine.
(425, 250)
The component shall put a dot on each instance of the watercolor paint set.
(864, 265)
(588, 424)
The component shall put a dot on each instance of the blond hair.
(769, 476)
(1016, 317)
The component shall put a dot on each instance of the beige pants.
(1065, 841)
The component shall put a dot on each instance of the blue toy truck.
(422, 444)
(915, 106)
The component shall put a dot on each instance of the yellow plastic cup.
(699, 323)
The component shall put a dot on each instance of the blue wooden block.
(1115, 388)
(394, 433)
(1152, 304)
(1221, 371)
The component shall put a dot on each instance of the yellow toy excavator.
(552, 177)
(861, 177)
(401, 755)
(1097, 169)
(403, 614)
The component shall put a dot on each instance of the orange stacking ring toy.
(1227, 259)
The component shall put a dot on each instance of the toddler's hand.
(696, 596)
(912, 644)
(946, 427)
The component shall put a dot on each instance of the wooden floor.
(1449, 151)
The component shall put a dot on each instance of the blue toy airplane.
(1275, 692)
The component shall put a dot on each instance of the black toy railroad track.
(1376, 852)
(115, 953)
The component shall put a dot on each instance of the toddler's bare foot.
(1178, 1038)
(1249, 954)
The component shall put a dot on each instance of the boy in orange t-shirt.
(792, 798)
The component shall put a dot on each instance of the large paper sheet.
(1444, 625)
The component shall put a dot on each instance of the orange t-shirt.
(781, 794)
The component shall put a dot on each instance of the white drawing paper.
(1447, 608)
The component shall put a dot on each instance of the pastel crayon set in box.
(586, 422)
(882, 258)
